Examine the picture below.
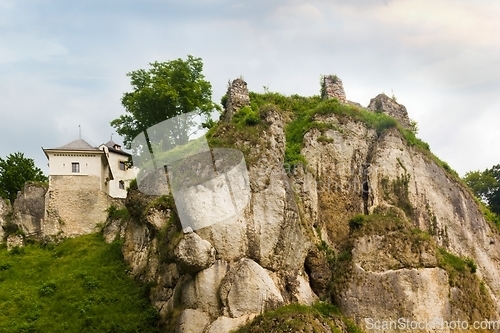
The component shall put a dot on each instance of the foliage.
(357, 222)
(473, 299)
(303, 112)
(165, 90)
(15, 171)
(246, 117)
(455, 264)
(300, 318)
(115, 213)
(486, 186)
(78, 285)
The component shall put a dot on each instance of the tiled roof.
(78, 144)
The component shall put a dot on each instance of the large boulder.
(202, 292)
(248, 289)
(29, 208)
(194, 254)
(192, 321)
(226, 324)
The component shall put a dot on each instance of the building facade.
(83, 182)
(106, 165)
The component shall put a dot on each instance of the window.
(122, 165)
(121, 185)
(75, 167)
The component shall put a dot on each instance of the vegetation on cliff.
(321, 317)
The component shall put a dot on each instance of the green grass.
(79, 285)
(300, 318)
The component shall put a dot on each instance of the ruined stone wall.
(332, 87)
(237, 97)
(385, 104)
(75, 205)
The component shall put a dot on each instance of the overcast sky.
(64, 63)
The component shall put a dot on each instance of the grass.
(78, 285)
(300, 318)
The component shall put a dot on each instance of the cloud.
(65, 63)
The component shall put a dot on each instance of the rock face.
(228, 271)
(332, 87)
(29, 209)
(385, 104)
(237, 97)
(369, 223)
(5, 210)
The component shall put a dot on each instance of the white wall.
(60, 163)
(119, 175)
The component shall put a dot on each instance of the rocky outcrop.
(368, 223)
(385, 104)
(237, 97)
(332, 87)
(5, 212)
(14, 241)
(29, 209)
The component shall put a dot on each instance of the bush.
(47, 290)
(246, 117)
(118, 214)
(356, 222)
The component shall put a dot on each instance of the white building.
(105, 166)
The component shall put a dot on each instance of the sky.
(64, 63)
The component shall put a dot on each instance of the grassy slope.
(321, 317)
(78, 285)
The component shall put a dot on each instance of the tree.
(486, 186)
(165, 90)
(15, 171)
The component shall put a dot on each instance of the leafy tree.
(15, 171)
(486, 186)
(165, 90)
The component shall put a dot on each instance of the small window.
(122, 165)
(121, 185)
(75, 167)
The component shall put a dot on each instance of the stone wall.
(237, 97)
(332, 87)
(75, 205)
(29, 208)
(385, 104)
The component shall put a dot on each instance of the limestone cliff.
(357, 212)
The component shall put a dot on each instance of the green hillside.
(79, 285)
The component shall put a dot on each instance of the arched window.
(121, 185)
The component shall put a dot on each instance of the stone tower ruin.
(332, 87)
(237, 97)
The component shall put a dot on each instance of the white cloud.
(67, 65)
(18, 48)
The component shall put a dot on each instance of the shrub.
(117, 214)
(48, 289)
(356, 222)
